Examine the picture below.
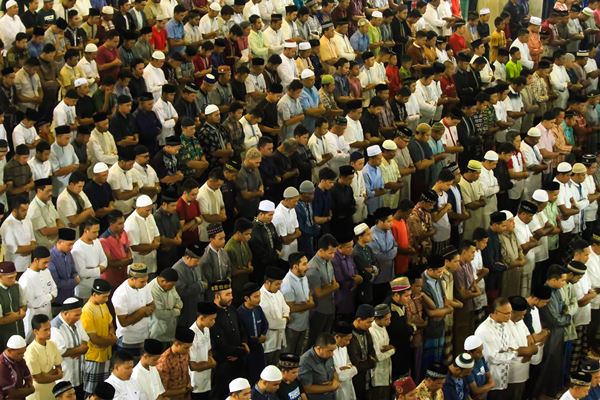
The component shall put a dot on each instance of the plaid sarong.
(93, 374)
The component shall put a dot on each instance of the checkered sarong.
(580, 346)
(93, 374)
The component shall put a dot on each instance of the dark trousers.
(538, 277)
(295, 341)
(201, 396)
(225, 372)
(319, 323)
(79, 392)
(593, 329)
(498, 395)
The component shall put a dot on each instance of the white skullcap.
(271, 374)
(143, 201)
(91, 48)
(588, 11)
(535, 21)
(564, 167)
(158, 55)
(15, 341)
(540, 195)
(534, 132)
(290, 193)
(472, 342)
(238, 384)
(374, 150)
(266, 206)
(491, 155)
(211, 108)
(307, 73)
(508, 214)
(360, 228)
(290, 45)
(80, 82)
(108, 10)
(304, 46)
(389, 145)
(11, 3)
(376, 14)
(100, 167)
(215, 6)
(484, 11)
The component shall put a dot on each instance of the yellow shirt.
(67, 77)
(327, 50)
(42, 359)
(96, 319)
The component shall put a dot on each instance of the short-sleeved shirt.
(42, 215)
(296, 290)
(106, 56)
(96, 319)
(319, 274)
(16, 233)
(479, 373)
(60, 157)
(121, 180)
(315, 371)
(13, 374)
(127, 300)
(188, 212)
(42, 359)
(67, 206)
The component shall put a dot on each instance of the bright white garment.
(142, 231)
(167, 115)
(23, 135)
(273, 40)
(593, 273)
(88, 258)
(128, 300)
(340, 149)
(154, 79)
(490, 186)
(208, 25)
(382, 373)
(539, 221)
(102, 148)
(199, 352)
(16, 233)
(564, 199)
(277, 311)
(121, 180)
(518, 371)
(287, 71)
(342, 360)
(126, 390)
(496, 344)
(526, 59)
(150, 378)
(9, 27)
(286, 223)
(39, 289)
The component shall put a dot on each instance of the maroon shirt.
(105, 56)
(13, 375)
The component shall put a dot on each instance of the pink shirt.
(115, 249)
(547, 139)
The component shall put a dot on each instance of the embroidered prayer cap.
(137, 270)
(590, 366)
(576, 267)
(490, 155)
(232, 166)
(61, 387)
(579, 168)
(540, 196)
(518, 303)
(474, 165)
(207, 308)
(249, 288)
(184, 335)
(381, 310)
(66, 234)
(221, 285)
(104, 391)
(238, 384)
(327, 80)
(452, 167)
(275, 273)
(307, 187)
(404, 132)
(541, 292)
(472, 342)
(365, 311)
(307, 73)
(400, 284)
(143, 201)
(423, 128)
(266, 206)
(582, 53)
(528, 207)
(342, 328)
(194, 251)
(328, 25)
(429, 196)
(271, 374)
(210, 78)
(16, 342)
(581, 378)
(564, 167)
(373, 151)
(360, 229)
(173, 141)
(72, 303)
(213, 229)
(288, 361)
(153, 347)
(101, 286)
(404, 386)
(588, 159)
(7, 268)
(464, 360)
(436, 371)
(290, 193)
(346, 170)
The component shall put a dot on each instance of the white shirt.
(564, 199)
(286, 222)
(102, 148)
(354, 131)
(539, 221)
(254, 83)
(593, 273)
(167, 115)
(60, 157)
(559, 79)
(23, 135)
(526, 59)
(382, 373)
(427, 100)
(339, 148)
(251, 133)
(39, 170)
(496, 342)
(590, 211)
(127, 300)
(126, 390)
(442, 225)
(142, 231)
(273, 39)
(287, 70)
(523, 234)
(90, 71)
(490, 186)
(318, 147)
(152, 384)
(199, 353)
(39, 289)
(583, 315)
(519, 370)
(16, 233)
(210, 202)
(67, 337)
(122, 181)
(276, 310)
(567, 396)
(67, 207)
(341, 359)
(251, 9)
(192, 33)
(63, 114)
(9, 27)
(88, 258)
(499, 71)
(155, 79)
(589, 67)
(536, 324)
(144, 176)
(208, 25)
(433, 18)
(343, 47)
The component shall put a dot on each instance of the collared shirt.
(17, 233)
(152, 385)
(60, 157)
(42, 359)
(13, 374)
(199, 352)
(496, 344)
(62, 268)
(168, 308)
(314, 371)
(373, 181)
(66, 337)
(142, 231)
(42, 215)
(296, 290)
(120, 180)
(286, 223)
(126, 390)
(126, 301)
(319, 274)
(286, 109)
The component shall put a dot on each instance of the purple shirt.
(344, 269)
(62, 268)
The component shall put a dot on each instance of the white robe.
(340, 360)
(39, 289)
(277, 311)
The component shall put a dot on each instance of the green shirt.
(551, 211)
(374, 35)
(513, 69)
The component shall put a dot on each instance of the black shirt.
(121, 126)
(28, 19)
(370, 124)
(137, 86)
(85, 107)
(289, 391)
(100, 197)
(238, 89)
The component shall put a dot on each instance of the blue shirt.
(385, 248)
(35, 49)
(479, 373)
(309, 98)
(437, 147)
(373, 181)
(455, 388)
(175, 31)
(62, 269)
(258, 395)
(359, 42)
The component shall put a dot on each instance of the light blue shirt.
(359, 42)
(309, 98)
(373, 181)
(175, 31)
(286, 109)
(385, 248)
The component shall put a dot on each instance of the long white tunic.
(142, 231)
(88, 258)
(199, 352)
(102, 148)
(382, 374)
(39, 289)
(496, 342)
(277, 311)
(342, 360)
(273, 40)
(490, 188)
(167, 116)
(17, 233)
(155, 79)
(9, 27)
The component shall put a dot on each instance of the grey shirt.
(319, 274)
(295, 290)
(247, 180)
(315, 371)
(191, 290)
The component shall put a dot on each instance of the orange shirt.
(535, 46)
(400, 232)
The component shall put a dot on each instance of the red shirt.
(457, 43)
(400, 232)
(448, 86)
(188, 212)
(106, 56)
(391, 71)
(158, 39)
(115, 249)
